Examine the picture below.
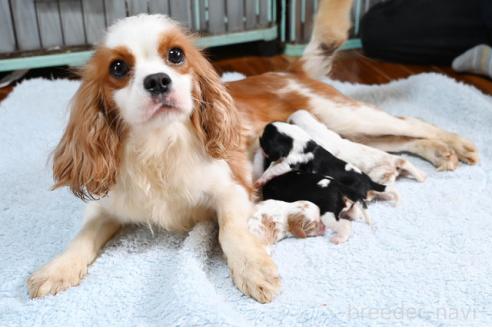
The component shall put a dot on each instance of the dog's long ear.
(87, 157)
(215, 116)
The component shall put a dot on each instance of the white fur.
(274, 170)
(296, 155)
(278, 212)
(323, 183)
(165, 178)
(379, 165)
(350, 167)
(140, 35)
(342, 228)
(258, 164)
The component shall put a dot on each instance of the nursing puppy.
(288, 147)
(380, 166)
(274, 220)
(335, 207)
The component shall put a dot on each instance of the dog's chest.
(172, 188)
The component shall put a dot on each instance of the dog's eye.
(118, 68)
(175, 55)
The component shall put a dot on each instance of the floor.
(351, 66)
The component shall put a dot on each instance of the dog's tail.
(331, 27)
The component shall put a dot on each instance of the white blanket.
(428, 262)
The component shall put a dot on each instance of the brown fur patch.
(269, 227)
(178, 39)
(300, 226)
(215, 117)
(260, 102)
(88, 155)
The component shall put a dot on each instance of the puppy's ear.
(298, 225)
(274, 143)
(87, 156)
(215, 116)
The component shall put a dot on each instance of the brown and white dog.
(155, 137)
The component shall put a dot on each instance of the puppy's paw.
(338, 239)
(384, 174)
(390, 195)
(58, 275)
(256, 276)
(407, 169)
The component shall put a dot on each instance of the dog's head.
(145, 75)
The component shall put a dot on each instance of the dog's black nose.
(157, 83)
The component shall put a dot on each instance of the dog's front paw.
(56, 276)
(257, 276)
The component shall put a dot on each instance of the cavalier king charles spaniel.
(155, 137)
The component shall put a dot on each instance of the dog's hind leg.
(363, 123)
(439, 153)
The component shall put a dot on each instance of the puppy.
(287, 147)
(335, 208)
(275, 220)
(380, 166)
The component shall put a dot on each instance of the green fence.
(43, 33)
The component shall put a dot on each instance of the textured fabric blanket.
(427, 262)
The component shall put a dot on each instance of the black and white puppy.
(336, 209)
(287, 147)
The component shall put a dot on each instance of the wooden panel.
(5, 91)
(181, 11)
(251, 17)
(137, 7)
(299, 26)
(49, 24)
(235, 13)
(253, 65)
(308, 21)
(26, 27)
(216, 14)
(115, 9)
(7, 39)
(93, 12)
(203, 21)
(353, 14)
(263, 18)
(72, 22)
(159, 7)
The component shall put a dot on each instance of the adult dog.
(155, 137)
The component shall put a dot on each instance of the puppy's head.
(145, 75)
(304, 221)
(275, 144)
